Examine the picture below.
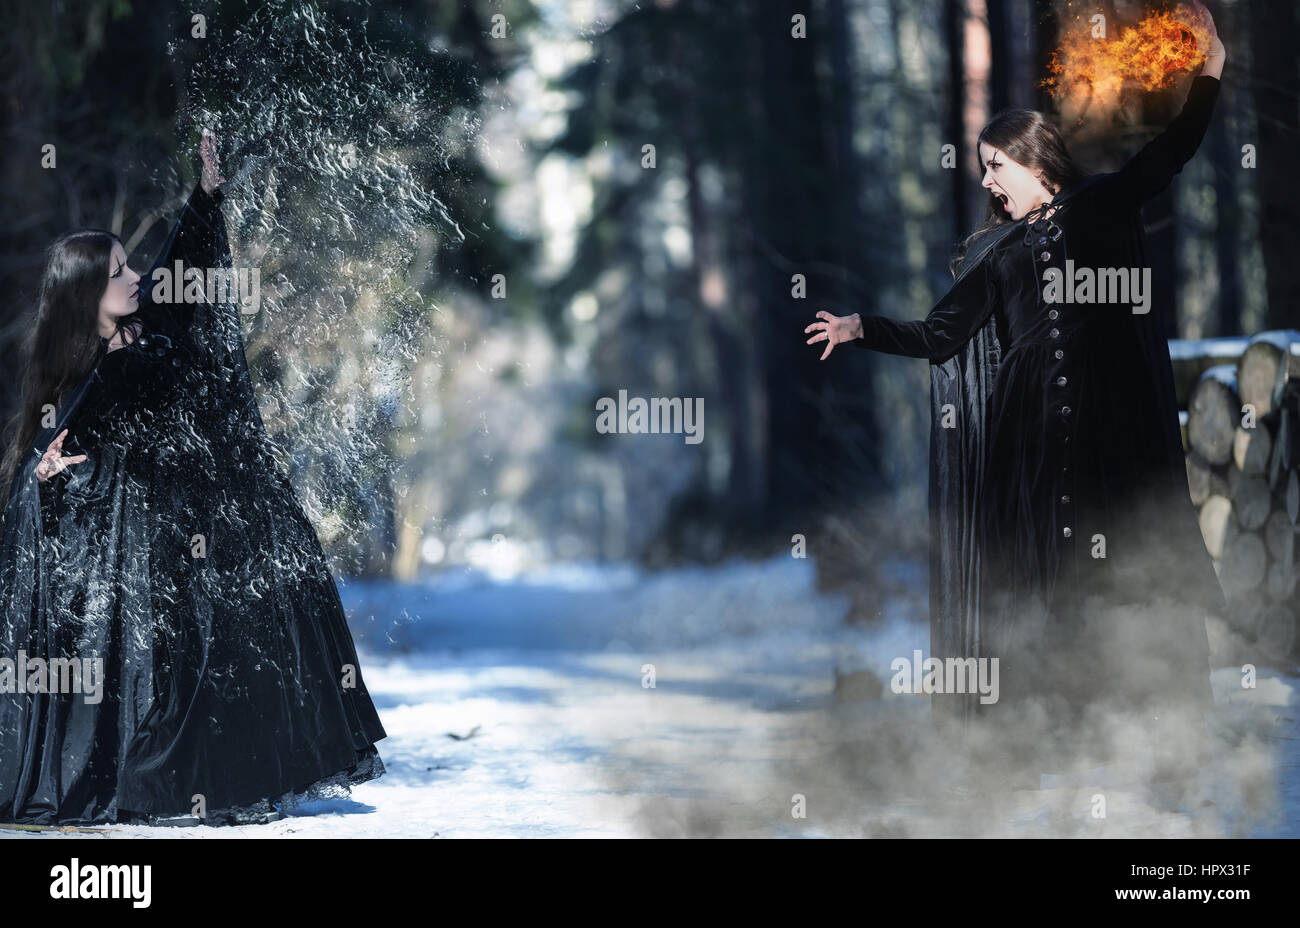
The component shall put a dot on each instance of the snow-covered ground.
(523, 709)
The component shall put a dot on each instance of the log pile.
(1242, 441)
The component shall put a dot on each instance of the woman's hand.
(834, 330)
(211, 177)
(53, 461)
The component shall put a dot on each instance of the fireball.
(1147, 55)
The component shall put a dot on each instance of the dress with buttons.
(1067, 430)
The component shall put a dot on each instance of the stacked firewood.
(1242, 438)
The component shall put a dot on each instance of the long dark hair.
(1029, 137)
(64, 342)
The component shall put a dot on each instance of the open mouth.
(1004, 200)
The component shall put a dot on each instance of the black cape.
(177, 557)
(1082, 445)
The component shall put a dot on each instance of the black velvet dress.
(1064, 540)
(178, 556)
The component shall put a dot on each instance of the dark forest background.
(462, 246)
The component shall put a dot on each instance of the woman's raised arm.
(1153, 168)
(197, 240)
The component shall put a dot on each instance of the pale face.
(121, 296)
(1018, 187)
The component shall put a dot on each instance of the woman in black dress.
(150, 535)
(1064, 541)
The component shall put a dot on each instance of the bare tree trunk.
(796, 211)
(1276, 83)
(1046, 29)
(1227, 230)
(954, 33)
(1001, 42)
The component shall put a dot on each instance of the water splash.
(339, 136)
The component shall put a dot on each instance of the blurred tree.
(759, 126)
(1275, 82)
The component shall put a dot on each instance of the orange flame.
(1149, 54)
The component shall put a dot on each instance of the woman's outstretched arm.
(1153, 168)
(197, 240)
(956, 317)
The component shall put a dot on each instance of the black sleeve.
(956, 317)
(197, 240)
(1153, 168)
(50, 492)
